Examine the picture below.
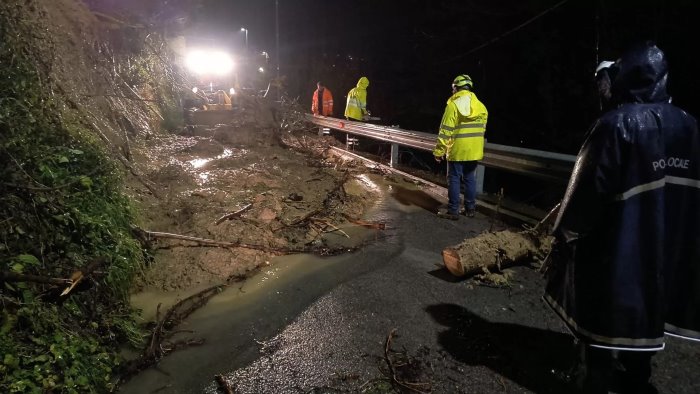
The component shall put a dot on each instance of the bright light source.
(195, 90)
(243, 29)
(262, 70)
(232, 91)
(209, 62)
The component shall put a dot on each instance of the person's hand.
(438, 158)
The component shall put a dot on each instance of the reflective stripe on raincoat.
(356, 107)
(462, 128)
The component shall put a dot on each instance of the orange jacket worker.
(324, 96)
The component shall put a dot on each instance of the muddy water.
(245, 313)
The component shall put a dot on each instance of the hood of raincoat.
(642, 76)
(462, 100)
(363, 83)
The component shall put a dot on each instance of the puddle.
(200, 162)
(242, 314)
(415, 197)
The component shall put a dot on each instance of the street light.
(246, 37)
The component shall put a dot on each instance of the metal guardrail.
(554, 167)
(413, 139)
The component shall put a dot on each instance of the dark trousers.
(603, 371)
(458, 173)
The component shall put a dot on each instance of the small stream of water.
(257, 309)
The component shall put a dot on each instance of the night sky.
(532, 62)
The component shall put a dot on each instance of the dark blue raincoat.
(626, 265)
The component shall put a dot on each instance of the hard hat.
(602, 66)
(462, 81)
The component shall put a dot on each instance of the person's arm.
(330, 102)
(447, 128)
(362, 101)
(314, 103)
(592, 184)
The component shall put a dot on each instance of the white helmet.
(602, 66)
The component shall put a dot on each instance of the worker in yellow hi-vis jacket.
(461, 141)
(356, 107)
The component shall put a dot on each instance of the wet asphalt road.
(460, 337)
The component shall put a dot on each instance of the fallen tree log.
(493, 251)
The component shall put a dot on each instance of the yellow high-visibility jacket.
(356, 107)
(462, 128)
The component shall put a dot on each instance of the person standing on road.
(461, 141)
(322, 101)
(625, 267)
(356, 107)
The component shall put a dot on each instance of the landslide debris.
(293, 195)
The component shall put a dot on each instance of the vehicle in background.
(211, 99)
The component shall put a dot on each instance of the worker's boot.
(468, 212)
(445, 214)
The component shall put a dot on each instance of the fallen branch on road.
(232, 215)
(331, 225)
(418, 387)
(370, 225)
(223, 384)
(321, 251)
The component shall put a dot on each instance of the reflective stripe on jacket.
(462, 128)
(327, 105)
(356, 107)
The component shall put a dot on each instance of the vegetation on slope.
(61, 211)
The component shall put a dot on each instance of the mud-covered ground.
(291, 193)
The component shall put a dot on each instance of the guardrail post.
(480, 170)
(394, 156)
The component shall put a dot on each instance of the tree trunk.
(493, 251)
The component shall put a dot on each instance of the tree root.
(331, 225)
(75, 278)
(224, 385)
(159, 344)
(417, 387)
(6, 276)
